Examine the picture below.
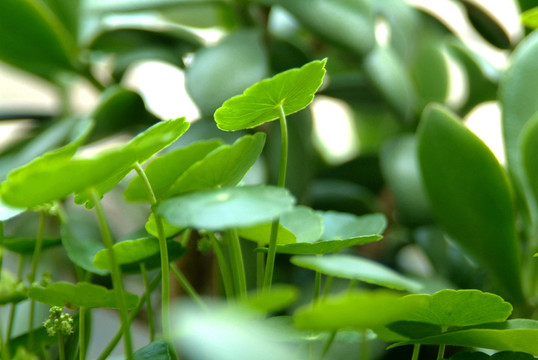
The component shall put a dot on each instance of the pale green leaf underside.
(80, 295)
(325, 246)
(226, 208)
(357, 268)
(359, 310)
(512, 335)
(292, 89)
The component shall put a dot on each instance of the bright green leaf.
(131, 253)
(68, 12)
(226, 69)
(476, 214)
(357, 268)
(292, 89)
(164, 170)
(275, 299)
(26, 246)
(305, 224)
(80, 295)
(530, 18)
(34, 40)
(38, 184)
(156, 350)
(325, 246)
(358, 310)
(169, 230)
(512, 335)
(344, 226)
(224, 166)
(261, 234)
(448, 308)
(226, 208)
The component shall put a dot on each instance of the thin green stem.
(116, 339)
(260, 268)
(82, 332)
(441, 352)
(116, 274)
(416, 352)
(165, 263)
(317, 288)
(61, 348)
(14, 306)
(149, 307)
(185, 237)
(271, 254)
(32, 276)
(223, 266)
(238, 266)
(328, 285)
(1, 248)
(328, 344)
(189, 289)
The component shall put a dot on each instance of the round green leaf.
(82, 294)
(470, 195)
(156, 350)
(226, 69)
(224, 166)
(226, 208)
(529, 149)
(448, 308)
(261, 234)
(304, 223)
(11, 290)
(275, 299)
(131, 253)
(169, 230)
(512, 335)
(293, 89)
(164, 170)
(358, 310)
(357, 268)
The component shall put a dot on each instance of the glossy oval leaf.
(357, 268)
(470, 195)
(26, 246)
(82, 294)
(336, 21)
(224, 166)
(389, 76)
(518, 94)
(131, 253)
(34, 40)
(156, 350)
(35, 185)
(164, 171)
(358, 310)
(226, 69)
(529, 149)
(226, 208)
(451, 308)
(512, 335)
(292, 89)
(278, 298)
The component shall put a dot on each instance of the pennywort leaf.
(292, 89)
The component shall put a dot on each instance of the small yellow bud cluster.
(58, 322)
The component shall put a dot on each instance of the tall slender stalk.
(32, 276)
(223, 266)
(149, 307)
(1, 248)
(238, 266)
(327, 345)
(112, 344)
(260, 268)
(82, 332)
(61, 347)
(165, 265)
(441, 352)
(364, 345)
(13, 309)
(416, 352)
(271, 254)
(116, 274)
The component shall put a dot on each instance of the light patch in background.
(163, 88)
(334, 130)
(458, 83)
(485, 121)
(382, 31)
